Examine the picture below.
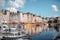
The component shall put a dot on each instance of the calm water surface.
(45, 35)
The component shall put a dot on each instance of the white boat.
(12, 33)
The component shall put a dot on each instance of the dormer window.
(18, 12)
(5, 12)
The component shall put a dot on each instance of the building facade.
(30, 23)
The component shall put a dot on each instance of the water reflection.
(45, 35)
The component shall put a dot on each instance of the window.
(0, 26)
(50, 21)
(5, 12)
(55, 21)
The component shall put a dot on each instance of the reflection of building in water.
(54, 23)
(27, 22)
(58, 23)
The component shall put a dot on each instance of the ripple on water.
(45, 35)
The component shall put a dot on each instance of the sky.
(44, 8)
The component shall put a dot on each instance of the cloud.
(13, 4)
(2, 2)
(16, 3)
(54, 8)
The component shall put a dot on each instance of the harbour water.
(45, 35)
